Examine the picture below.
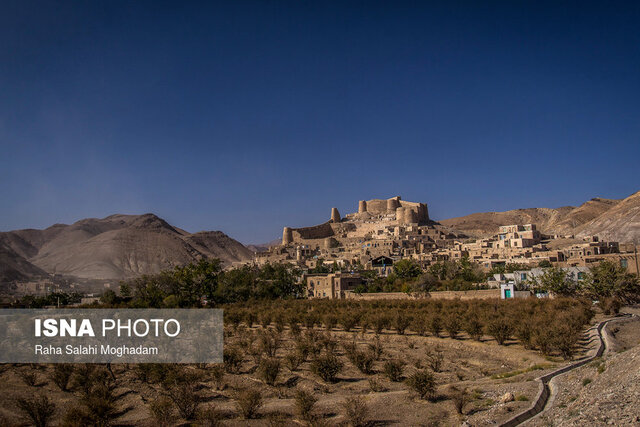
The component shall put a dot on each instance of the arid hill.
(617, 220)
(263, 247)
(620, 223)
(14, 267)
(119, 246)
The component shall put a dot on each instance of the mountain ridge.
(610, 219)
(115, 247)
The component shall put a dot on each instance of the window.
(523, 276)
(580, 275)
(624, 263)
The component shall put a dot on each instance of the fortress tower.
(400, 215)
(362, 206)
(335, 215)
(287, 236)
(393, 204)
(410, 216)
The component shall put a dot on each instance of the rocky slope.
(617, 220)
(14, 267)
(119, 246)
(620, 223)
(604, 392)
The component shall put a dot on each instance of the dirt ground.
(485, 369)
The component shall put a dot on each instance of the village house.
(332, 286)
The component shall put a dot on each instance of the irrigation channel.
(545, 391)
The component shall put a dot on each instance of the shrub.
(39, 409)
(564, 338)
(350, 349)
(376, 385)
(293, 360)
(434, 325)
(100, 404)
(269, 370)
(209, 417)
(424, 383)
(217, 375)
(183, 391)
(610, 306)
(473, 327)
(380, 322)
(303, 348)
(452, 325)
(356, 411)
(364, 361)
(265, 319)
(327, 366)
(459, 397)
(75, 416)
(234, 317)
(330, 321)
(586, 382)
(376, 348)
(162, 411)
(328, 342)
(250, 318)
(349, 321)
(29, 377)
(401, 323)
(435, 359)
(500, 328)
(309, 321)
(393, 369)
(305, 401)
(269, 342)
(249, 402)
(232, 360)
(523, 333)
(419, 325)
(294, 326)
(542, 337)
(85, 377)
(61, 375)
(279, 322)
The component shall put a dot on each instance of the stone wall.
(479, 294)
(321, 231)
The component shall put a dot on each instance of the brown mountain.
(115, 247)
(617, 220)
(263, 247)
(14, 267)
(620, 223)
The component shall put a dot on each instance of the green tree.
(609, 280)
(109, 297)
(407, 269)
(556, 281)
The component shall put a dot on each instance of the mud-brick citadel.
(380, 228)
(384, 231)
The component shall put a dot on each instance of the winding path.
(545, 392)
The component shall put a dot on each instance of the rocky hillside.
(604, 392)
(119, 246)
(14, 267)
(617, 220)
(620, 223)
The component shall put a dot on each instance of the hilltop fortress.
(384, 231)
(380, 227)
(375, 210)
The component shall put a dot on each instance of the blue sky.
(245, 116)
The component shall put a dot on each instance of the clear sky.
(245, 116)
